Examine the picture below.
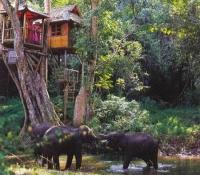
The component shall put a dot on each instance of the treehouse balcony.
(32, 27)
(32, 37)
(58, 42)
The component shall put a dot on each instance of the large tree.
(30, 84)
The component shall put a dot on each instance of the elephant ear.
(86, 131)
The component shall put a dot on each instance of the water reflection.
(173, 166)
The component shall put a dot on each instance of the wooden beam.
(35, 52)
(66, 93)
(33, 62)
(43, 33)
(29, 62)
(24, 28)
(33, 57)
(39, 65)
(3, 30)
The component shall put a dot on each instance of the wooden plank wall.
(7, 86)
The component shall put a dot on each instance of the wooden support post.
(3, 30)
(65, 100)
(43, 33)
(82, 74)
(24, 30)
(65, 58)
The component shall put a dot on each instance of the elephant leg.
(69, 161)
(56, 162)
(50, 164)
(155, 158)
(148, 162)
(127, 160)
(155, 162)
(78, 157)
(44, 160)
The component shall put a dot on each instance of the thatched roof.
(31, 12)
(67, 13)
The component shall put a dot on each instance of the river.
(101, 165)
(167, 166)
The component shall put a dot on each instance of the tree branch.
(16, 6)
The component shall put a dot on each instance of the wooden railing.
(8, 34)
(58, 41)
(33, 36)
(30, 36)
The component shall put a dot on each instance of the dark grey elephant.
(134, 145)
(66, 140)
(37, 132)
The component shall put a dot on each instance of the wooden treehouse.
(52, 56)
(32, 27)
(60, 44)
(62, 20)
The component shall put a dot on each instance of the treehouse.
(60, 42)
(32, 26)
(62, 20)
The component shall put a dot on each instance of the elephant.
(134, 145)
(37, 132)
(66, 140)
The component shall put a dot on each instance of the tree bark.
(31, 86)
(93, 59)
(83, 109)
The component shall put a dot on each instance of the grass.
(177, 121)
(90, 165)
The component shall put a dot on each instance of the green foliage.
(118, 57)
(3, 167)
(11, 121)
(117, 114)
(60, 3)
(58, 105)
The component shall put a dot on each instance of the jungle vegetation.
(147, 74)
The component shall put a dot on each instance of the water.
(166, 166)
(98, 165)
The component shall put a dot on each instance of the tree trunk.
(93, 59)
(83, 109)
(31, 86)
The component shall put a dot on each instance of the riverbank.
(177, 128)
(180, 145)
(99, 165)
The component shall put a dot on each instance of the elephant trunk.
(102, 136)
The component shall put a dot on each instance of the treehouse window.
(34, 32)
(56, 29)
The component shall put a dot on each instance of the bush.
(117, 114)
(3, 167)
(11, 121)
